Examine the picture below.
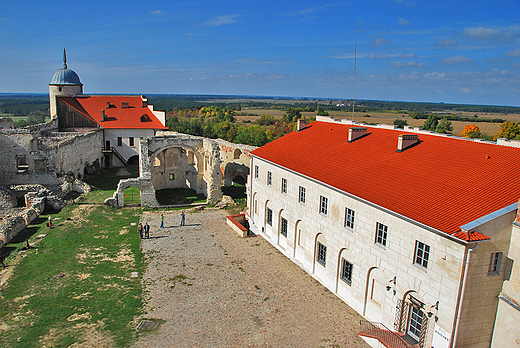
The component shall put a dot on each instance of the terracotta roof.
(117, 117)
(441, 182)
(471, 236)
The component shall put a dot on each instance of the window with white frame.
(346, 271)
(495, 263)
(131, 141)
(269, 178)
(324, 201)
(119, 141)
(284, 185)
(422, 254)
(269, 217)
(349, 218)
(257, 172)
(322, 254)
(283, 228)
(301, 197)
(381, 234)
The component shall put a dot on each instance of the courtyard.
(210, 288)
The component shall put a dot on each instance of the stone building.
(123, 120)
(507, 331)
(408, 227)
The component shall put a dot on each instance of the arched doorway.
(132, 196)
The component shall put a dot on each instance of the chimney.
(103, 115)
(301, 125)
(124, 105)
(145, 103)
(356, 133)
(108, 105)
(406, 140)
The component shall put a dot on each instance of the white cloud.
(513, 53)
(403, 22)
(376, 56)
(446, 42)
(221, 20)
(408, 55)
(157, 12)
(409, 64)
(380, 42)
(481, 33)
(456, 60)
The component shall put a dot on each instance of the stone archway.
(145, 186)
(199, 158)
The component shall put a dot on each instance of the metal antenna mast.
(354, 98)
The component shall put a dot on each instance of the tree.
(470, 131)
(400, 123)
(444, 126)
(265, 120)
(322, 112)
(431, 123)
(293, 114)
(509, 130)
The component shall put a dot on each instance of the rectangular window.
(349, 218)
(257, 171)
(494, 264)
(131, 141)
(21, 164)
(346, 271)
(269, 178)
(270, 217)
(422, 254)
(119, 141)
(301, 197)
(322, 254)
(415, 322)
(381, 234)
(324, 201)
(284, 185)
(283, 229)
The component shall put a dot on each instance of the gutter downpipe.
(462, 291)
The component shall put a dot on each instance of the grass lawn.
(74, 285)
(179, 196)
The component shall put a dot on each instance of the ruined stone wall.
(6, 123)
(234, 160)
(36, 154)
(74, 153)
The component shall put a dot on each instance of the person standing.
(140, 229)
(162, 220)
(146, 230)
(183, 219)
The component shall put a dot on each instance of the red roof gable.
(117, 116)
(440, 182)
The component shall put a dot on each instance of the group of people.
(144, 230)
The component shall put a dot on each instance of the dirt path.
(215, 289)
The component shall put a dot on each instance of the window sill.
(422, 268)
(379, 245)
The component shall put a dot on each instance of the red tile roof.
(117, 117)
(440, 182)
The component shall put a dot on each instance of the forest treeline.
(213, 116)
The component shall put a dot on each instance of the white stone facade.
(372, 290)
(125, 142)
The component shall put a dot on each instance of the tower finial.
(64, 59)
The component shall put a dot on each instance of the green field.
(74, 284)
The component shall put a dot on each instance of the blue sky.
(439, 51)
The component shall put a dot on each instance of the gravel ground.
(212, 288)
